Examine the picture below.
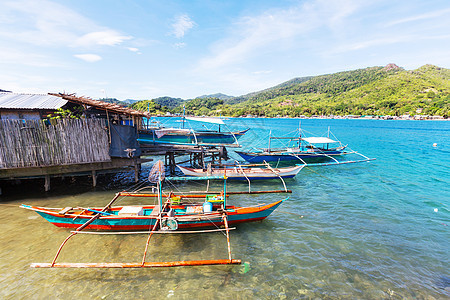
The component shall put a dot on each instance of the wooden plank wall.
(32, 143)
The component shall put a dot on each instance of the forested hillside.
(388, 90)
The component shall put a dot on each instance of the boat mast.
(159, 191)
(299, 134)
(270, 137)
(225, 190)
(184, 113)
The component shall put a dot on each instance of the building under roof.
(15, 106)
(30, 101)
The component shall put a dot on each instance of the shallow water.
(366, 231)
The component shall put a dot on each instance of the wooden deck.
(84, 169)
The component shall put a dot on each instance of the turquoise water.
(363, 231)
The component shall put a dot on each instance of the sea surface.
(373, 230)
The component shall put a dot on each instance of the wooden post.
(47, 183)
(136, 172)
(202, 163)
(94, 178)
(172, 162)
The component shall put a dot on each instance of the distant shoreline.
(384, 118)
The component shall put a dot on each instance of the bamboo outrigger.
(170, 216)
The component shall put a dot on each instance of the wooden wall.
(33, 143)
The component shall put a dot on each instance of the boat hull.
(245, 173)
(189, 138)
(235, 215)
(255, 157)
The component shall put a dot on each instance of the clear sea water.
(377, 230)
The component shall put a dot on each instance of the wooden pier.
(197, 154)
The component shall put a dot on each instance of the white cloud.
(13, 56)
(181, 25)
(179, 45)
(275, 29)
(135, 50)
(88, 57)
(50, 24)
(424, 16)
(106, 37)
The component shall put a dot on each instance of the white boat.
(244, 172)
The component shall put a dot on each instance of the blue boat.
(308, 150)
(184, 136)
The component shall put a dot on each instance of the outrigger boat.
(184, 136)
(177, 214)
(181, 215)
(244, 172)
(307, 150)
(247, 172)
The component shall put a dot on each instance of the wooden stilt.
(202, 163)
(172, 162)
(136, 173)
(47, 183)
(94, 178)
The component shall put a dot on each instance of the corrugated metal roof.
(30, 101)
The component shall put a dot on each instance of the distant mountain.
(3, 91)
(217, 96)
(130, 101)
(246, 97)
(113, 100)
(168, 101)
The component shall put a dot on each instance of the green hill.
(388, 90)
(169, 102)
(218, 96)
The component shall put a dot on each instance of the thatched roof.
(110, 107)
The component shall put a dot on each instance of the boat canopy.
(207, 120)
(319, 140)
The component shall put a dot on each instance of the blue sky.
(149, 49)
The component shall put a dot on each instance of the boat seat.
(65, 210)
(155, 211)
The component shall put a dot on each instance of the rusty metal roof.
(30, 101)
(103, 105)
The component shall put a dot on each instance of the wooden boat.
(136, 217)
(172, 215)
(303, 152)
(308, 150)
(184, 136)
(243, 172)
